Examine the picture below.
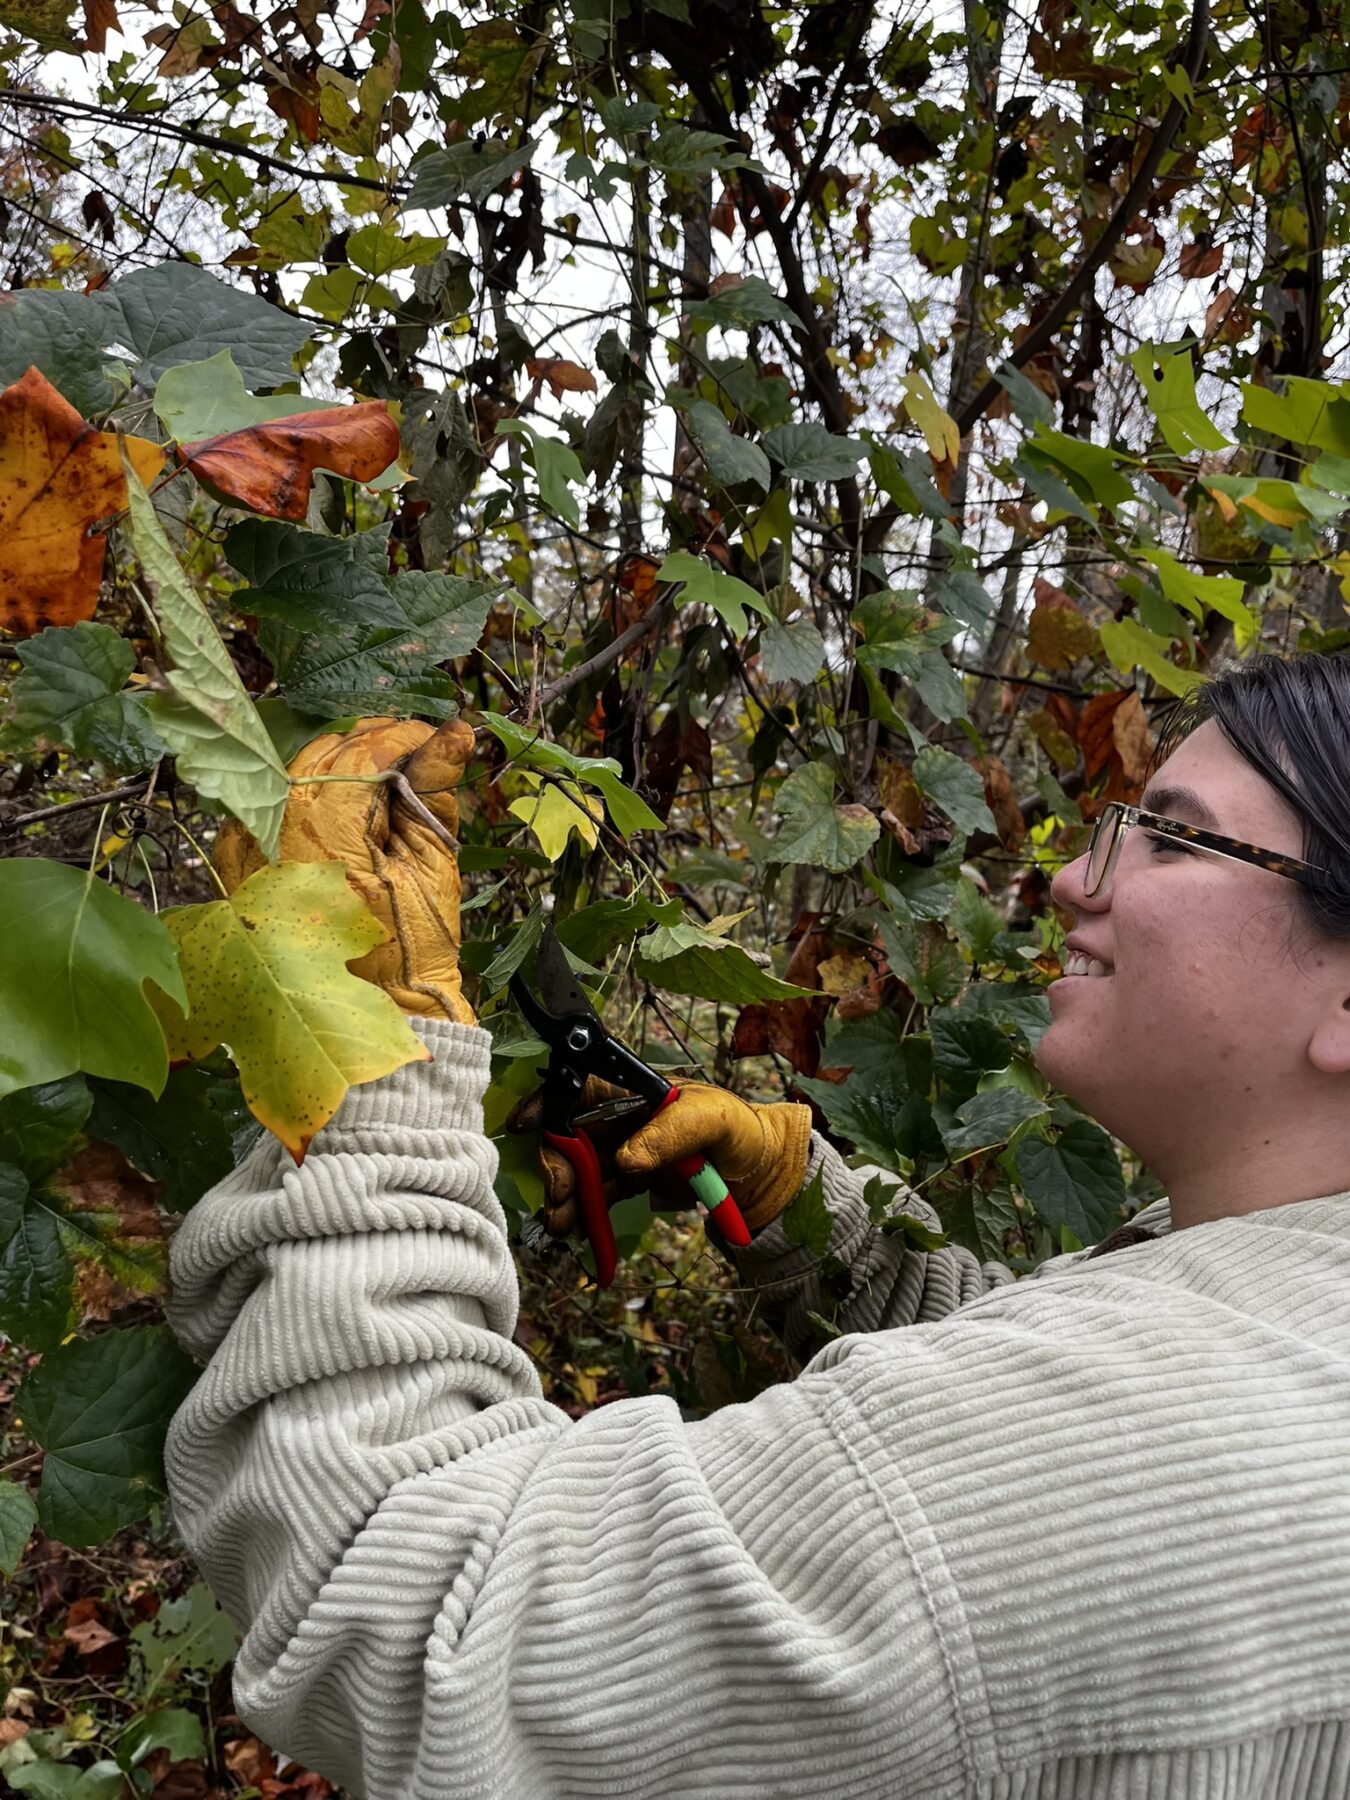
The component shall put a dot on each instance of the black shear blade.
(559, 990)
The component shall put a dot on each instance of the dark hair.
(1289, 717)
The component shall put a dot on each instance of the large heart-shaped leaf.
(817, 831)
(71, 693)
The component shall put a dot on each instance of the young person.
(1084, 1535)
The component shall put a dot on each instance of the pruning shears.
(578, 1047)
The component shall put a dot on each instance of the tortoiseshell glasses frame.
(1116, 818)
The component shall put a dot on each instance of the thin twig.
(129, 791)
(602, 658)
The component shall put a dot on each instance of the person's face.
(1206, 1015)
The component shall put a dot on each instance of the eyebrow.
(1172, 799)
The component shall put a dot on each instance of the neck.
(1259, 1168)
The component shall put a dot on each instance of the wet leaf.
(266, 975)
(58, 477)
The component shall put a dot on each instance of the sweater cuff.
(445, 1094)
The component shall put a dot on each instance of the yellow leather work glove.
(402, 867)
(760, 1152)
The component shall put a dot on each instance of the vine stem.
(396, 779)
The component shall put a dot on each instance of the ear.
(1329, 1046)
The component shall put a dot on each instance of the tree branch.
(603, 658)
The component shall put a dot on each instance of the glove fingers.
(690, 1125)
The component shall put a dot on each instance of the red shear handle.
(581, 1153)
(723, 1213)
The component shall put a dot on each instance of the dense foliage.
(809, 444)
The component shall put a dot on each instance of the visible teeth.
(1077, 963)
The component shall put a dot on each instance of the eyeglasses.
(1109, 833)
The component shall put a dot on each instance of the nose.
(1066, 889)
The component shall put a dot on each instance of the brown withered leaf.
(1053, 739)
(1058, 635)
(1002, 802)
(677, 746)
(58, 478)
(269, 468)
(900, 792)
(1200, 259)
(1094, 730)
(790, 1028)
(176, 1780)
(563, 377)
(100, 17)
(1134, 742)
(84, 1629)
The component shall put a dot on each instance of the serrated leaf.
(730, 459)
(39, 1124)
(811, 453)
(35, 1268)
(100, 1408)
(174, 312)
(807, 1222)
(684, 151)
(190, 1635)
(952, 784)
(73, 957)
(794, 652)
(595, 930)
(684, 960)
(877, 1114)
(468, 171)
(210, 724)
(815, 830)
(966, 1046)
(358, 669)
(705, 586)
(1167, 376)
(314, 582)
(63, 335)
(70, 693)
(1075, 1181)
(179, 1139)
(988, 1119)
(553, 811)
(207, 399)
(266, 975)
(18, 1515)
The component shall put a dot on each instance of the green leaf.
(1091, 468)
(878, 1115)
(38, 1125)
(364, 669)
(63, 334)
(18, 1516)
(211, 725)
(752, 302)
(990, 1118)
(817, 831)
(955, 786)
(195, 400)
(73, 957)
(866, 1044)
(35, 1270)
(556, 466)
(730, 459)
(811, 453)
(966, 1046)
(290, 729)
(594, 931)
(1182, 586)
(1131, 646)
(171, 1728)
(100, 1408)
(794, 652)
(310, 581)
(681, 150)
(1076, 1181)
(620, 116)
(174, 312)
(1167, 375)
(179, 1139)
(187, 1636)
(70, 693)
(628, 812)
(515, 951)
(1307, 413)
(706, 586)
(684, 960)
(980, 1221)
(807, 1222)
(469, 171)
(379, 250)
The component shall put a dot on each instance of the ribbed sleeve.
(1084, 1537)
(887, 1281)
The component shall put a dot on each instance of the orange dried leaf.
(269, 467)
(563, 377)
(58, 477)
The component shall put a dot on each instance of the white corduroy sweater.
(1084, 1536)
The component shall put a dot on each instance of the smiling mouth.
(1078, 963)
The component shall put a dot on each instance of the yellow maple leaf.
(555, 809)
(939, 428)
(266, 975)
